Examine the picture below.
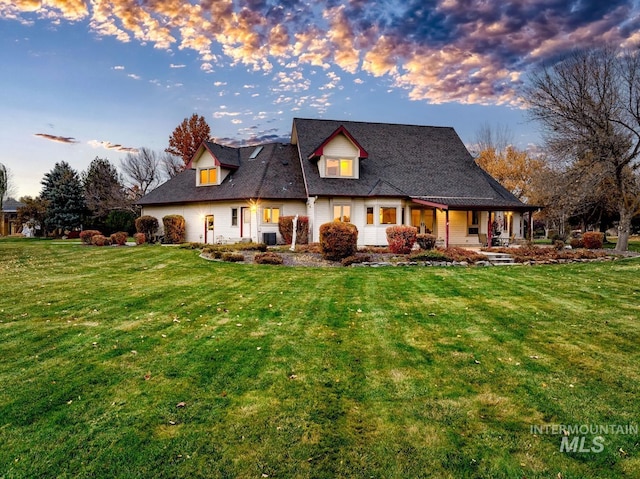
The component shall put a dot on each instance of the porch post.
(446, 234)
(530, 225)
(489, 231)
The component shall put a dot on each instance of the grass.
(309, 372)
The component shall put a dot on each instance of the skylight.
(256, 152)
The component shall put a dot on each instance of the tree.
(187, 137)
(33, 213)
(142, 171)
(171, 165)
(589, 108)
(103, 191)
(63, 191)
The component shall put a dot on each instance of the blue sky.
(83, 79)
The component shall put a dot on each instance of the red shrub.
(86, 235)
(285, 226)
(140, 238)
(338, 240)
(426, 241)
(401, 238)
(593, 240)
(100, 240)
(268, 258)
(73, 235)
(174, 229)
(147, 225)
(119, 238)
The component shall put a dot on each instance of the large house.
(373, 175)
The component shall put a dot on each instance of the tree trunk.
(624, 228)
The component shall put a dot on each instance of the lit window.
(342, 213)
(387, 216)
(369, 215)
(208, 176)
(339, 167)
(270, 215)
(234, 216)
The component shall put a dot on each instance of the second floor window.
(209, 176)
(340, 167)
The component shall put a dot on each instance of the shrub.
(593, 240)
(430, 255)
(401, 238)
(285, 226)
(147, 225)
(338, 240)
(174, 229)
(232, 257)
(140, 238)
(121, 220)
(576, 243)
(73, 235)
(119, 238)
(100, 240)
(558, 244)
(349, 260)
(268, 258)
(86, 235)
(426, 241)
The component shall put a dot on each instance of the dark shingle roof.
(274, 174)
(404, 160)
(11, 205)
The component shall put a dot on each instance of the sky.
(85, 79)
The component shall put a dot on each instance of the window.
(339, 167)
(342, 213)
(369, 215)
(209, 176)
(234, 216)
(270, 215)
(473, 220)
(388, 216)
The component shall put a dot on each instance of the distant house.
(9, 217)
(373, 175)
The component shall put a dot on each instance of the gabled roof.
(11, 205)
(226, 156)
(274, 174)
(403, 160)
(341, 130)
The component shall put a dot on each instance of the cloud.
(107, 145)
(134, 76)
(468, 51)
(57, 139)
(176, 66)
(117, 67)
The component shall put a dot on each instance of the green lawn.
(310, 372)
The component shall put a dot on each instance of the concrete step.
(499, 258)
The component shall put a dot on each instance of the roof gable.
(224, 156)
(341, 130)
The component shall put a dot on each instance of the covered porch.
(472, 222)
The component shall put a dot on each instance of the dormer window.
(208, 176)
(340, 168)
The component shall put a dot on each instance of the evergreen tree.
(103, 191)
(63, 191)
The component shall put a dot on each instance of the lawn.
(152, 362)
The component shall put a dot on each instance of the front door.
(208, 229)
(422, 219)
(245, 231)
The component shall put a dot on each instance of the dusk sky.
(82, 79)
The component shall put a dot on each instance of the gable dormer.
(339, 155)
(213, 163)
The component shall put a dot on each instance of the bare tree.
(589, 107)
(141, 171)
(171, 165)
(496, 138)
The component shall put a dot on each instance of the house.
(374, 175)
(9, 217)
